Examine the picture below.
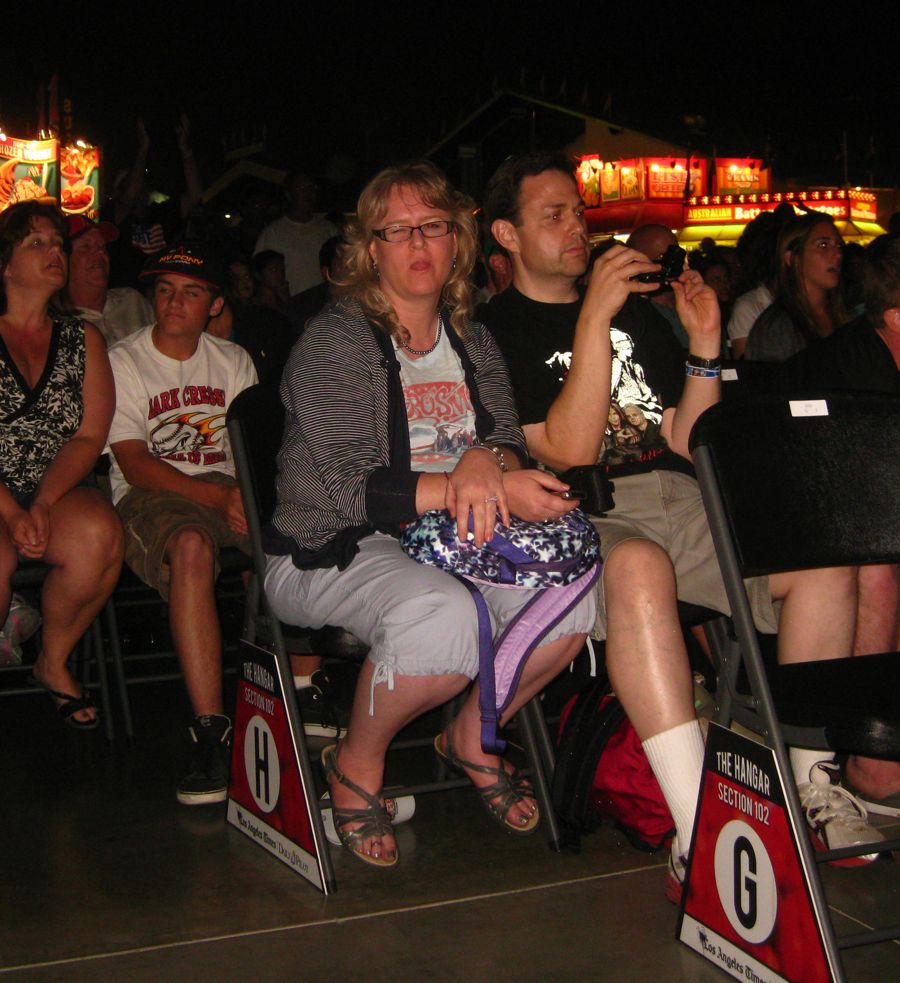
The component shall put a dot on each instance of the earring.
(375, 270)
(453, 264)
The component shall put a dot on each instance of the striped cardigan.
(344, 466)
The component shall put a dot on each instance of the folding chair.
(793, 484)
(255, 425)
(742, 377)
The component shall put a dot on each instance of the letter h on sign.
(262, 762)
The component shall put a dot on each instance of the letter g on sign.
(746, 882)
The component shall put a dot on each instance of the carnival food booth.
(47, 171)
(705, 199)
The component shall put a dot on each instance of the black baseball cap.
(197, 261)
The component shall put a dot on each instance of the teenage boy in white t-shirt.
(173, 483)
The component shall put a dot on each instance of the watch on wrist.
(704, 363)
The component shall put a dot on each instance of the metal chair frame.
(262, 627)
(765, 465)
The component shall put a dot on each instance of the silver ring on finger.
(493, 498)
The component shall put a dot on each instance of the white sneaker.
(675, 874)
(836, 818)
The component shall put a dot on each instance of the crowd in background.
(789, 287)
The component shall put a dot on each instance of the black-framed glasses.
(436, 229)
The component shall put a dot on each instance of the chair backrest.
(742, 377)
(256, 426)
(805, 482)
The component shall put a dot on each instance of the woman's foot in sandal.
(507, 797)
(360, 818)
(72, 704)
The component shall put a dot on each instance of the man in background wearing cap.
(173, 483)
(116, 313)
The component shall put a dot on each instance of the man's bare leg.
(877, 630)
(649, 670)
(194, 619)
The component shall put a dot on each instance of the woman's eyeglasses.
(403, 233)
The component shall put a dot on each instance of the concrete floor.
(107, 878)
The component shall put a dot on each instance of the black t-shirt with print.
(648, 373)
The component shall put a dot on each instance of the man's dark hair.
(501, 197)
(881, 278)
(329, 250)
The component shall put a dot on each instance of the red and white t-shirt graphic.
(438, 407)
(441, 422)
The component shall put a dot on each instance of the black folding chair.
(792, 484)
(255, 426)
(742, 377)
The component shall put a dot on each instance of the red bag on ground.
(602, 772)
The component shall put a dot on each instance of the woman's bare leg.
(361, 753)
(464, 732)
(85, 551)
(9, 560)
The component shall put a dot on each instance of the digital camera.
(672, 262)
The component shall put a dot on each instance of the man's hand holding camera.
(612, 280)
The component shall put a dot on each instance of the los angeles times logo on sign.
(261, 764)
(746, 882)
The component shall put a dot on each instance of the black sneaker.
(207, 777)
(320, 718)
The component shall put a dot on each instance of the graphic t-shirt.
(647, 373)
(438, 407)
(177, 407)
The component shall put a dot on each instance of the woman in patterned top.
(56, 406)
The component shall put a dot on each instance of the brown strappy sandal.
(374, 818)
(507, 790)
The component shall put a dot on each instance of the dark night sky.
(362, 84)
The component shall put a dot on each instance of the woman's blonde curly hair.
(358, 279)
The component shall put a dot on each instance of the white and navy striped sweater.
(344, 466)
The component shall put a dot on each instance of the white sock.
(302, 682)
(676, 757)
(803, 760)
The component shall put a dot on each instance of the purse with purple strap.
(559, 559)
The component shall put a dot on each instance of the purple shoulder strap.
(501, 664)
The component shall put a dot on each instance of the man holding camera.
(602, 378)
(659, 244)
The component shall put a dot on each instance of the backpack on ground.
(602, 773)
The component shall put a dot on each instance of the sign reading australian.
(267, 800)
(746, 906)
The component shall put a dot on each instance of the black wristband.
(704, 363)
